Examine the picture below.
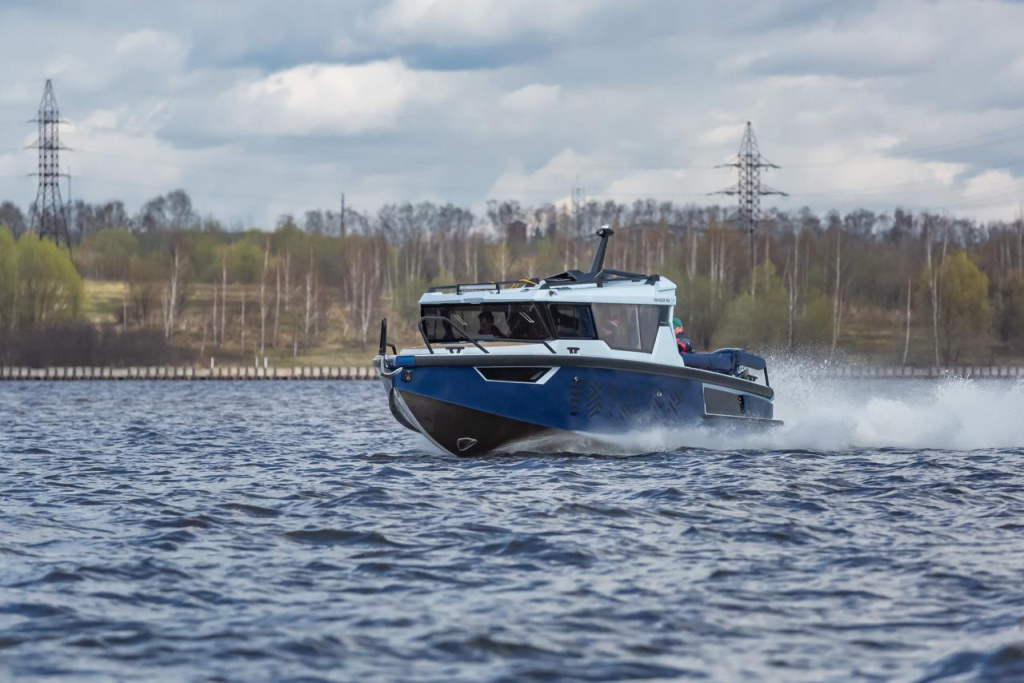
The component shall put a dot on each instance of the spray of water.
(831, 414)
(956, 414)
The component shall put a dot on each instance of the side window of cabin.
(627, 327)
(526, 322)
(437, 330)
(650, 319)
(573, 321)
(617, 325)
(490, 321)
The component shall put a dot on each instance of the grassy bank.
(104, 305)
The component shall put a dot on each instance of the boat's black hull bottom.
(465, 431)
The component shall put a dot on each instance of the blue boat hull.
(463, 412)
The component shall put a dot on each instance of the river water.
(252, 531)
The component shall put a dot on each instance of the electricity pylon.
(749, 188)
(48, 217)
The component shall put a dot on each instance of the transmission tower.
(48, 217)
(749, 189)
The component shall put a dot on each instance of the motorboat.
(578, 354)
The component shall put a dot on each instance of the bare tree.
(309, 302)
(793, 290)
(906, 341)
(277, 304)
(202, 347)
(691, 261)
(933, 287)
(315, 223)
(178, 210)
(1020, 241)
(172, 292)
(366, 278)
(316, 310)
(214, 321)
(263, 298)
(242, 287)
(934, 270)
(223, 296)
(287, 281)
(837, 293)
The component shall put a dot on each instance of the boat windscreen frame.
(442, 312)
(543, 316)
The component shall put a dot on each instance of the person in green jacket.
(682, 341)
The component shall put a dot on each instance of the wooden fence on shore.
(907, 372)
(227, 372)
(367, 372)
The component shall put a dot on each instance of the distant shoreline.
(180, 373)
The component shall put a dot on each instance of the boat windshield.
(514, 321)
(629, 327)
(573, 321)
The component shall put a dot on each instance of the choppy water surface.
(246, 531)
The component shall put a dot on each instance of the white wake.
(825, 414)
(956, 414)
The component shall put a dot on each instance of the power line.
(752, 201)
(850, 161)
(950, 146)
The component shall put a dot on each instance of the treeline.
(910, 287)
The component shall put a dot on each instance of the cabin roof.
(598, 284)
(650, 290)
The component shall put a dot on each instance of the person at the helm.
(683, 342)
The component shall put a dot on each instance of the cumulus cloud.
(339, 98)
(478, 22)
(532, 97)
(259, 109)
(553, 180)
(150, 51)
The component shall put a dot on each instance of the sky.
(259, 109)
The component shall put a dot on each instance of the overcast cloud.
(260, 108)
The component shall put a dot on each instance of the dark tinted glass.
(573, 321)
(650, 317)
(484, 321)
(628, 327)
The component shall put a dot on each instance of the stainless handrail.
(465, 334)
(530, 341)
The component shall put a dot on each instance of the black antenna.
(604, 233)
